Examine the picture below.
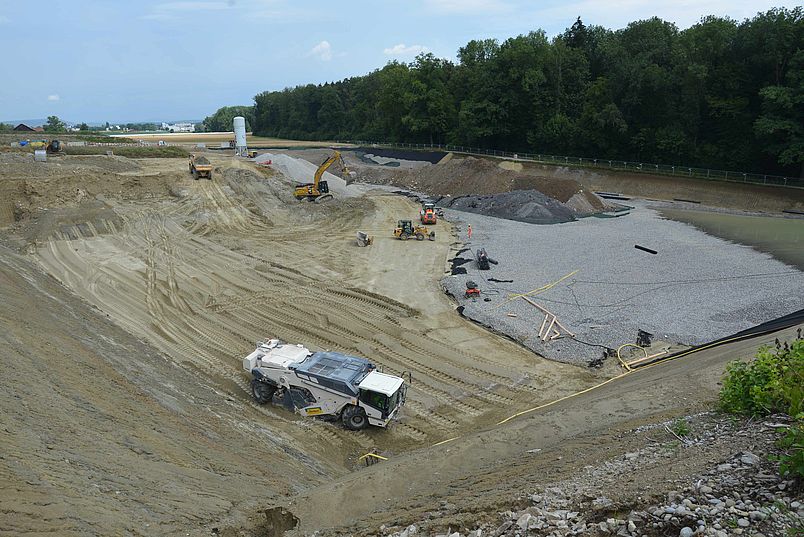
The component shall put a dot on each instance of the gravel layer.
(697, 288)
(522, 205)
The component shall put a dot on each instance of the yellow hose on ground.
(540, 289)
(622, 362)
(659, 362)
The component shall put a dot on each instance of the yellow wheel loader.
(406, 230)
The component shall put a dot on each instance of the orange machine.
(428, 214)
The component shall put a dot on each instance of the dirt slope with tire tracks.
(198, 271)
(131, 294)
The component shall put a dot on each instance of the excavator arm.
(324, 167)
(335, 157)
(312, 190)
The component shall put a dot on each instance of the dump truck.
(324, 384)
(405, 230)
(200, 166)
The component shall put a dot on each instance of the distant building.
(23, 127)
(178, 127)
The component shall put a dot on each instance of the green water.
(783, 238)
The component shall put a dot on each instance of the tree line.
(720, 94)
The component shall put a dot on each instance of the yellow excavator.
(318, 190)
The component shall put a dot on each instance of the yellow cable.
(373, 455)
(563, 398)
(445, 441)
(622, 362)
(658, 362)
(540, 289)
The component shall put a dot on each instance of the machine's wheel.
(419, 236)
(209, 176)
(262, 392)
(431, 236)
(323, 197)
(404, 236)
(354, 418)
(195, 175)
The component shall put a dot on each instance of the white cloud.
(402, 50)
(53, 98)
(478, 7)
(323, 51)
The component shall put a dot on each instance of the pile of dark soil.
(522, 205)
(453, 177)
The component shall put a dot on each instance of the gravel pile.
(697, 288)
(521, 205)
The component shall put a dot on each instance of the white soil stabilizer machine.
(327, 384)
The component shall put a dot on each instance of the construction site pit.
(132, 292)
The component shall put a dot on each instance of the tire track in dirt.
(204, 304)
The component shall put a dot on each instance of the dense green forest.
(720, 94)
(221, 121)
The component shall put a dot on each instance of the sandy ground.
(477, 475)
(102, 434)
(199, 270)
(131, 294)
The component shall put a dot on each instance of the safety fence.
(609, 164)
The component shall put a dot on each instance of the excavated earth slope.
(146, 289)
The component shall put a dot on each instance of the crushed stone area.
(741, 493)
(695, 289)
(521, 205)
(455, 177)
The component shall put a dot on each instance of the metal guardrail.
(610, 164)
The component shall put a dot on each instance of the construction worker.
(469, 231)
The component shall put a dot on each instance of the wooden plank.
(541, 330)
(550, 327)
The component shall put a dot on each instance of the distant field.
(150, 151)
(217, 137)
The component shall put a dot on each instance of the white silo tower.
(240, 136)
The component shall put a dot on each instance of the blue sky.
(149, 60)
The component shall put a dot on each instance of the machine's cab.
(381, 396)
(406, 226)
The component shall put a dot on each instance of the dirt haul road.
(183, 277)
